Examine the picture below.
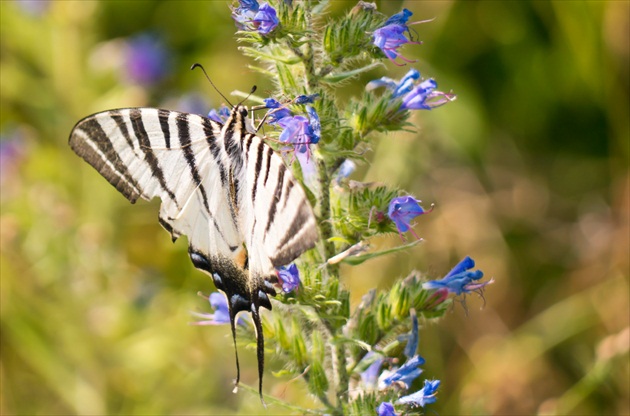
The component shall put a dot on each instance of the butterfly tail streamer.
(260, 348)
(238, 367)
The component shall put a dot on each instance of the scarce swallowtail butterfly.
(221, 186)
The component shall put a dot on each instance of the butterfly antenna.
(197, 65)
(253, 90)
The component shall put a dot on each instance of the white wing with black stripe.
(221, 186)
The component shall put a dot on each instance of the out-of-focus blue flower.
(386, 409)
(192, 103)
(12, 151)
(221, 313)
(416, 99)
(266, 20)
(147, 60)
(35, 8)
(425, 395)
(305, 99)
(316, 125)
(391, 37)
(402, 210)
(271, 103)
(404, 375)
(278, 114)
(415, 96)
(370, 375)
(244, 13)
(399, 18)
(399, 88)
(413, 337)
(289, 277)
(345, 170)
(221, 115)
(461, 279)
(297, 131)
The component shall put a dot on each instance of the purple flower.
(297, 131)
(345, 170)
(386, 409)
(426, 395)
(278, 114)
(461, 279)
(244, 13)
(402, 210)
(289, 277)
(399, 18)
(414, 96)
(412, 338)
(266, 19)
(391, 37)
(192, 103)
(316, 125)
(404, 375)
(35, 8)
(423, 96)
(305, 99)
(221, 115)
(399, 88)
(272, 103)
(221, 313)
(148, 60)
(370, 375)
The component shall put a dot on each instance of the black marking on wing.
(163, 117)
(120, 122)
(276, 197)
(94, 133)
(269, 152)
(145, 144)
(257, 167)
(183, 132)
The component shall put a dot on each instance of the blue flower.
(192, 103)
(399, 88)
(244, 13)
(297, 131)
(289, 277)
(370, 375)
(391, 37)
(386, 409)
(272, 103)
(305, 99)
(266, 20)
(414, 95)
(12, 152)
(404, 375)
(221, 313)
(417, 98)
(412, 338)
(399, 18)
(278, 114)
(402, 210)
(221, 115)
(148, 60)
(345, 170)
(426, 395)
(460, 279)
(316, 125)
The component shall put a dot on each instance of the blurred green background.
(528, 170)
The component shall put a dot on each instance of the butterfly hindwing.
(221, 186)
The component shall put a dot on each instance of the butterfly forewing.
(224, 188)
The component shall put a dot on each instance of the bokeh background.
(528, 170)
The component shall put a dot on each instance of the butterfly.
(220, 185)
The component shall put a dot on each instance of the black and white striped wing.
(178, 157)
